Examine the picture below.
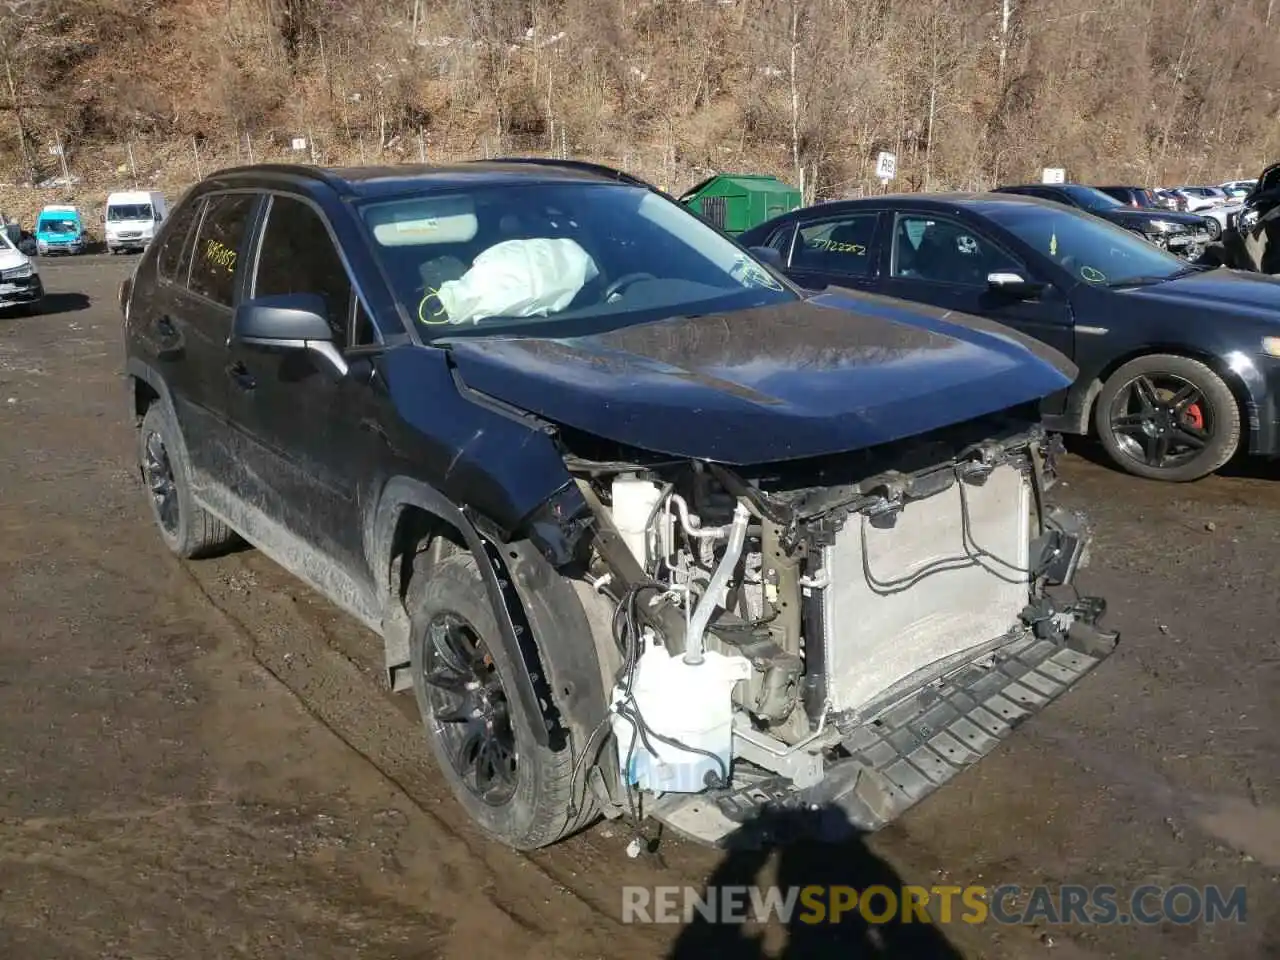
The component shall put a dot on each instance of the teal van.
(59, 230)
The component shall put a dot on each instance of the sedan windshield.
(1092, 249)
(1091, 198)
(557, 255)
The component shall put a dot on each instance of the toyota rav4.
(637, 521)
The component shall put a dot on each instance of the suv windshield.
(1090, 198)
(1092, 249)
(505, 256)
(129, 211)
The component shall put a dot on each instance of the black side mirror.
(768, 256)
(1014, 286)
(293, 321)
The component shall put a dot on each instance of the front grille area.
(15, 273)
(887, 618)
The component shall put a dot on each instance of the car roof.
(977, 202)
(393, 180)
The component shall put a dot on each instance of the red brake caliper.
(1195, 417)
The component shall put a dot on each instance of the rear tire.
(1188, 413)
(516, 790)
(1214, 228)
(187, 529)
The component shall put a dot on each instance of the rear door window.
(216, 254)
(841, 245)
(173, 261)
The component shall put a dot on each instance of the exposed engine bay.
(850, 632)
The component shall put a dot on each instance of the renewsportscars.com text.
(1005, 904)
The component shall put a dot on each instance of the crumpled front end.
(896, 613)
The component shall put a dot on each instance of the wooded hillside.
(967, 92)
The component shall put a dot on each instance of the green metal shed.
(735, 202)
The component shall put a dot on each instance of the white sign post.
(1053, 175)
(886, 167)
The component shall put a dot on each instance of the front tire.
(1213, 227)
(516, 790)
(187, 529)
(1166, 417)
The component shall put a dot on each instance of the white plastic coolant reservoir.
(690, 703)
(634, 502)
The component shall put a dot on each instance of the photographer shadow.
(813, 848)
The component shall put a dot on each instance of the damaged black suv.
(638, 521)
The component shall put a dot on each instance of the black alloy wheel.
(157, 473)
(1168, 418)
(186, 527)
(522, 793)
(470, 708)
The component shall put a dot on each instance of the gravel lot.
(197, 762)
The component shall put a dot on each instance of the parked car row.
(129, 220)
(1180, 233)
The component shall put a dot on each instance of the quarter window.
(836, 246)
(944, 251)
(298, 256)
(217, 249)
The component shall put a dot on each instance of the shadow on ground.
(50, 306)
(55, 303)
(811, 848)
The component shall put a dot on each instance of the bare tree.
(23, 31)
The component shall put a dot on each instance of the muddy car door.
(185, 324)
(297, 415)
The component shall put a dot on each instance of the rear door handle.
(166, 328)
(241, 376)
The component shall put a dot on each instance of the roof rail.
(283, 170)
(584, 165)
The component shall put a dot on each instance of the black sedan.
(1179, 364)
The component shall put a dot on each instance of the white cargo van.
(132, 218)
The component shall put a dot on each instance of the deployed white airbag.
(518, 278)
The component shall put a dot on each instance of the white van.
(132, 218)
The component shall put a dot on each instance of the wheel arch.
(146, 388)
(546, 631)
(1088, 394)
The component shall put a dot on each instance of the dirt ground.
(196, 760)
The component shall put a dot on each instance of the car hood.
(1256, 294)
(10, 258)
(812, 377)
(1131, 217)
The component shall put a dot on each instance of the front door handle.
(166, 328)
(241, 376)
